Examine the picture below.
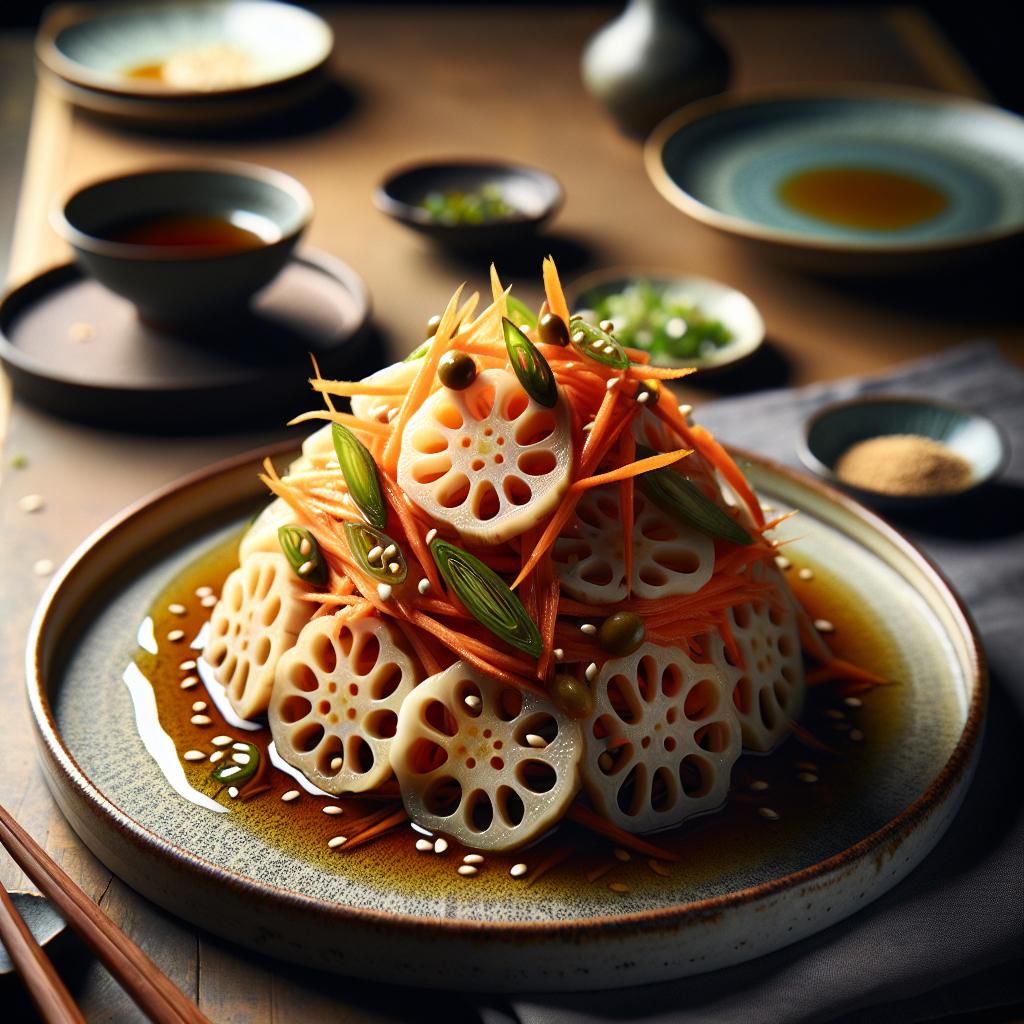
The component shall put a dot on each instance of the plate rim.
(745, 228)
(65, 16)
(957, 766)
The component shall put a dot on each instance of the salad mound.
(514, 583)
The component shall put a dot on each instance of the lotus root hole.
(381, 724)
(714, 737)
(452, 490)
(443, 797)
(486, 503)
(479, 811)
(261, 650)
(701, 701)
(359, 756)
(447, 415)
(696, 776)
(536, 776)
(439, 718)
(301, 676)
(515, 405)
(510, 704)
(327, 756)
(517, 490)
(306, 738)
(538, 463)
(323, 654)
(535, 428)
(293, 709)
(430, 468)
(429, 442)
(510, 806)
(386, 681)
(425, 756)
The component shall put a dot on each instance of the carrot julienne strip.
(632, 470)
(591, 820)
(709, 447)
(346, 419)
(839, 669)
(553, 291)
(549, 863)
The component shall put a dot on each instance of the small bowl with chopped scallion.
(681, 320)
(470, 205)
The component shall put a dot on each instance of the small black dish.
(836, 427)
(534, 196)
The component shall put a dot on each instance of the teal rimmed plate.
(863, 179)
(387, 913)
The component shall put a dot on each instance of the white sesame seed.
(392, 413)
(558, 654)
(518, 870)
(473, 858)
(233, 792)
(577, 336)
(806, 574)
(175, 635)
(221, 741)
(204, 591)
(394, 568)
(589, 628)
(230, 772)
(621, 855)
(525, 328)
(384, 591)
(306, 567)
(853, 702)
(177, 609)
(305, 547)
(587, 427)
(424, 845)
(194, 755)
(767, 812)
(609, 350)
(807, 777)
(199, 705)
(241, 758)
(374, 554)
(856, 735)
(332, 809)
(43, 567)
(188, 682)
(685, 409)
(292, 794)
(533, 740)
(31, 503)
(209, 601)
(431, 534)
(440, 845)
(467, 870)
(824, 626)
(201, 720)
(336, 763)
(759, 785)
(187, 666)
(423, 586)
(390, 551)
(607, 326)
(643, 397)
(472, 701)
(613, 382)
(337, 841)
(216, 756)
(244, 747)
(591, 672)
(783, 562)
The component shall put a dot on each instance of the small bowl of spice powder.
(903, 452)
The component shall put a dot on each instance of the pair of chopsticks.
(151, 990)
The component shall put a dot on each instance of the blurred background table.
(409, 84)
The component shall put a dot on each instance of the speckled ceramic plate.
(740, 891)
(845, 179)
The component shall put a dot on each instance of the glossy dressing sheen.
(859, 197)
(735, 837)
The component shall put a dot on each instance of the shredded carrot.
(549, 863)
(723, 461)
(365, 426)
(661, 372)
(393, 820)
(836, 668)
(553, 291)
(591, 820)
(808, 739)
(633, 469)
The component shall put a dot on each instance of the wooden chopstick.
(151, 990)
(52, 999)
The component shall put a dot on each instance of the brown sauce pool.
(797, 783)
(183, 229)
(857, 197)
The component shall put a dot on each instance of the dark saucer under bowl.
(534, 196)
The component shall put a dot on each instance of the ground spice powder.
(904, 464)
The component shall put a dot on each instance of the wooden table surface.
(417, 84)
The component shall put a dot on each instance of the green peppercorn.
(456, 370)
(432, 325)
(553, 330)
(621, 633)
(571, 696)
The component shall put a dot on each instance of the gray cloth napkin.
(950, 938)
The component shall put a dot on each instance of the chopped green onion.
(389, 566)
(303, 554)
(237, 773)
(487, 597)
(530, 366)
(418, 353)
(597, 344)
(677, 496)
(360, 472)
(520, 311)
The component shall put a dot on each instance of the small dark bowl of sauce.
(186, 244)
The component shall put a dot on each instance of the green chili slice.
(388, 564)
(360, 472)
(677, 496)
(487, 597)
(303, 554)
(597, 344)
(530, 366)
(520, 311)
(418, 353)
(239, 766)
